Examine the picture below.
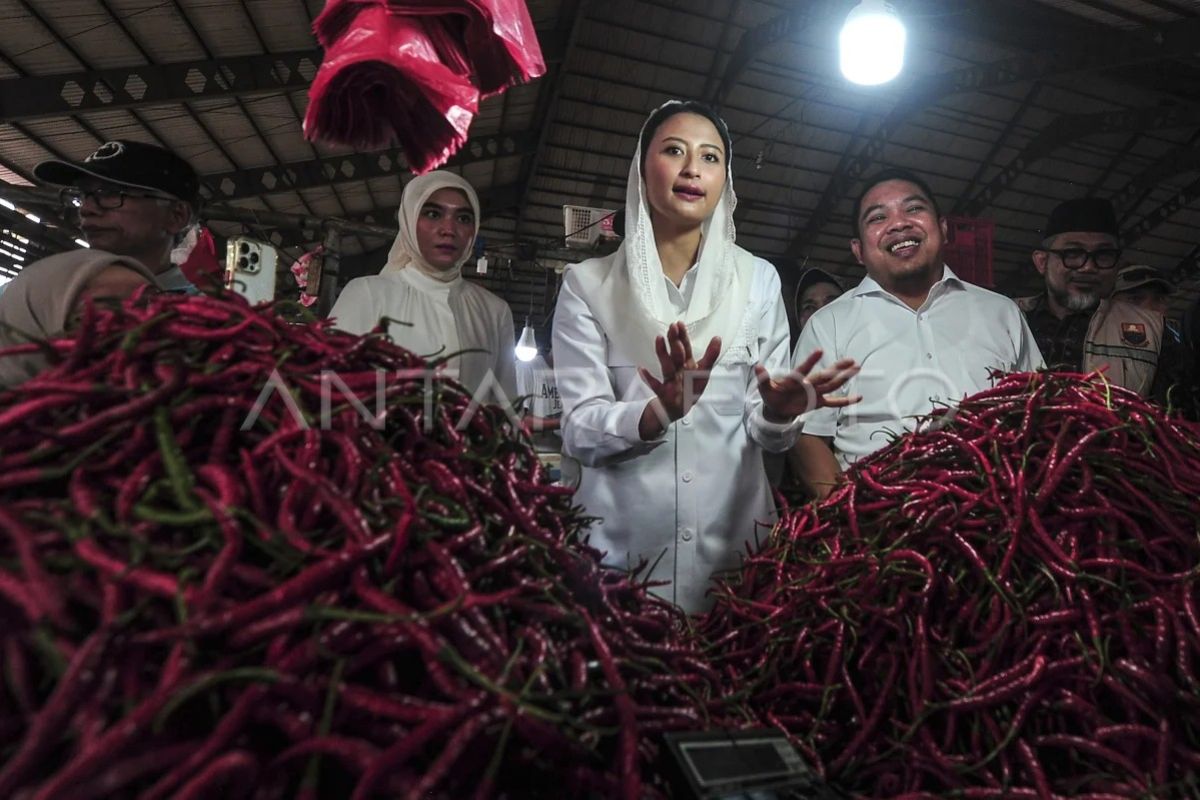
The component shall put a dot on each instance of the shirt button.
(929, 355)
(686, 535)
(687, 477)
(686, 421)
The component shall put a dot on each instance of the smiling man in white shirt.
(923, 337)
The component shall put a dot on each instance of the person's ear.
(944, 228)
(179, 216)
(856, 249)
(1040, 257)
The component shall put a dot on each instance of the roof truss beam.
(151, 84)
(1101, 53)
(318, 172)
(156, 84)
(1067, 129)
(378, 222)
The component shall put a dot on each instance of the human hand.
(803, 390)
(683, 377)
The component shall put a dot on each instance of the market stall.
(229, 564)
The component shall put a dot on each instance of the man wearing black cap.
(1077, 327)
(132, 199)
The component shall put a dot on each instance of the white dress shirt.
(912, 361)
(691, 498)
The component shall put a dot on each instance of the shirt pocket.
(726, 390)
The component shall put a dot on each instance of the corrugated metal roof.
(796, 124)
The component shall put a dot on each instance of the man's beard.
(1075, 301)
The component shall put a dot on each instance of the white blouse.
(441, 318)
(689, 500)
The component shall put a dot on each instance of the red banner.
(969, 249)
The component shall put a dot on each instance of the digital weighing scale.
(758, 764)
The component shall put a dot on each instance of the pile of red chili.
(221, 574)
(1002, 605)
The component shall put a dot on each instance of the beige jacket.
(1124, 337)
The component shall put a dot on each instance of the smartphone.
(250, 268)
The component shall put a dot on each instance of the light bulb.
(872, 43)
(526, 348)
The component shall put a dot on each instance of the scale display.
(739, 765)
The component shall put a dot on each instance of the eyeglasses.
(108, 199)
(1076, 257)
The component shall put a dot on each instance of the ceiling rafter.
(155, 84)
(995, 149)
(492, 201)
(299, 175)
(1117, 159)
(1162, 213)
(755, 41)
(83, 62)
(1172, 41)
(1184, 157)
(238, 102)
(1068, 128)
(548, 96)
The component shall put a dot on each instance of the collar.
(173, 280)
(426, 283)
(869, 285)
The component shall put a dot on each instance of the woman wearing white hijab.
(667, 450)
(433, 310)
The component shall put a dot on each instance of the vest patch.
(1133, 333)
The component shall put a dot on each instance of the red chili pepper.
(292, 591)
(233, 769)
(626, 713)
(45, 728)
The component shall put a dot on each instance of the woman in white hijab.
(667, 449)
(431, 309)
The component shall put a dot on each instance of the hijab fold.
(635, 307)
(405, 251)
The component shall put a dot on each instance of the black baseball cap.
(1082, 215)
(1138, 275)
(813, 275)
(128, 163)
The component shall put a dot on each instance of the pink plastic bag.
(300, 271)
(383, 82)
(494, 40)
(197, 258)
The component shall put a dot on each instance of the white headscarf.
(636, 308)
(405, 251)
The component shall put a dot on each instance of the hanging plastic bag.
(493, 40)
(300, 269)
(392, 68)
(196, 257)
(382, 83)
